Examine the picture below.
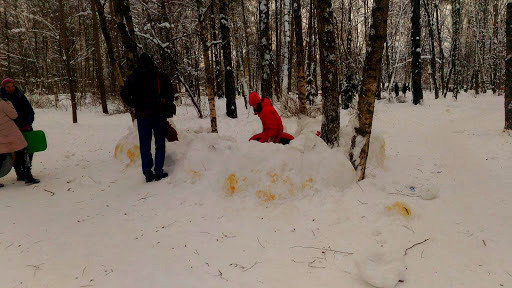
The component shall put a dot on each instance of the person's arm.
(29, 120)
(126, 93)
(9, 109)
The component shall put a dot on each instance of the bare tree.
(265, 49)
(300, 56)
(508, 67)
(433, 66)
(207, 65)
(417, 91)
(360, 143)
(229, 77)
(286, 45)
(330, 94)
(68, 58)
(456, 22)
(100, 81)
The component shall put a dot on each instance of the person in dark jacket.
(404, 88)
(149, 92)
(397, 89)
(22, 160)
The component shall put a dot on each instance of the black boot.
(20, 175)
(161, 176)
(1, 185)
(29, 179)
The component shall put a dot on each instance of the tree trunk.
(122, 15)
(8, 44)
(508, 69)
(311, 90)
(219, 85)
(207, 66)
(229, 77)
(331, 102)
(100, 80)
(248, 64)
(433, 67)
(494, 49)
(299, 46)
(456, 22)
(291, 54)
(277, 69)
(108, 41)
(417, 92)
(361, 140)
(441, 51)
(68, 58)
(265, 49)
(286, 51)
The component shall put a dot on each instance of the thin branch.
(260, 242)
(323, 249)
(251, 266)
(405, 253)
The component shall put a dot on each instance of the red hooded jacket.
(271, 121)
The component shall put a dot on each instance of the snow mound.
(127, 149)
(380, 268)
(250, 170)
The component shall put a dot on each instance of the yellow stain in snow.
(230, 184)
(401, 208)
(133, 154)
(265, 196)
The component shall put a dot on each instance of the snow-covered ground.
(240, 214)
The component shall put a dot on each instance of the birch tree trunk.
(299, 46)
(207, 65)
(360, 143)
(265, 49)
(417, 92)
(456, 47)
(286, 46)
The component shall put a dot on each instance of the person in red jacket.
(270, 120)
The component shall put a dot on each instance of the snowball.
(380, 268)
(429, 193)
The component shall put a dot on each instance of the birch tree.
(360, 142)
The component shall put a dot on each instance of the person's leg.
(23, 164)
(159, 131)
(145, 134)
(18, 165)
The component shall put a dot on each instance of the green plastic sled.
(36, 141)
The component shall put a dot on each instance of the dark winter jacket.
(146, 89)
(23, 108)
(397, 89)
(404, 89)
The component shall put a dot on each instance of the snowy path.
(105, 228)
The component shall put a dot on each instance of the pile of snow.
(309, 127)
(246, 169)
(381, 268)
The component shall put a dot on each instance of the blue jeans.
(148, 127)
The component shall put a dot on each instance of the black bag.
(168, 106)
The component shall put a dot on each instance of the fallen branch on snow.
(405, 253)
(323, 249)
